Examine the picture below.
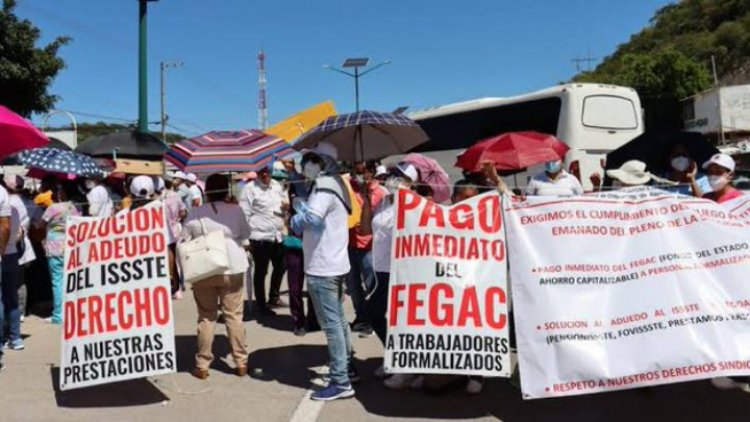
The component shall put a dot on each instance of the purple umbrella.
(432, 174)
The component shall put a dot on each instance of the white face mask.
(680, 163)
(392, 184)
(718, 182)
(311, 171)
(90, 184)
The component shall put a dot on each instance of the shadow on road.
(120, 394)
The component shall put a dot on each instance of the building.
(722, 113)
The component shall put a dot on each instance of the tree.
(26, 71)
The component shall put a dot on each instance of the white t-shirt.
(326, 250)
(18, 218)
(262, 207)
(382, 235)
(227, 218)
(5, 209)
(564, 185)
(196, 193)
(100, 203)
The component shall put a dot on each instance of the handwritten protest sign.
(447, 310)
(117, 308)
(628, 289)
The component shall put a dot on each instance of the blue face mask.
(552, 166)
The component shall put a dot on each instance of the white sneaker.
(474, 386)
(418, 383)
(399, 381)
(380, 373)
(725, 383)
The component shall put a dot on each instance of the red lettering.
(142, 308)
(109, 311)
(395, 303)
(71, 235)
(461, 217)
(126, 319)
(469, 308)
(161, 312)
(495, 295)
(432, 211)
(414, 304)
(70, 320)
(441, 293)
(95, 314)
(489, 208)
(407, 200)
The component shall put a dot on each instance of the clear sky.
(442, 51)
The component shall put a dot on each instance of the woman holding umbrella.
(53, 224)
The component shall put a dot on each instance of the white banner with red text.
(117, 308)
(628, 289)
(448, 303)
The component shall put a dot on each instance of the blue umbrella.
(367, 135)
(59, 162)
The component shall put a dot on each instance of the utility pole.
(357, 63)
(142, 66)
(588, 60)
(262, 110)
(163, 66)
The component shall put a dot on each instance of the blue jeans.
(360, 279)
(56, 274)
(326, 294)
(9, 288)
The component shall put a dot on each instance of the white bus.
(592, 119)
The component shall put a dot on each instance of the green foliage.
(26, 71)
(671, 58)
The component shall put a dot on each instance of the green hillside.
(670, 59)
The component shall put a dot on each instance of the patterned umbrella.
(228, 151)
(58, 162)
(433, 174)
(367, 135)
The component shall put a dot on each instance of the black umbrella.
(654, 147)
(135, 145)
(55, 143)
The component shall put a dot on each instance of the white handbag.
(204, 256)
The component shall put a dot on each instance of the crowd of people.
(313, 221)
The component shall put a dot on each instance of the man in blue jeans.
(322, 220)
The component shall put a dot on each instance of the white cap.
(158, 184)
(142, 186)
(631, 173)
(191, 177)
(179, 175)
(380, 170)
(323, 148)
(409, 171)
(722, 160)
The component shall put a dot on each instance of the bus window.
(609, 112)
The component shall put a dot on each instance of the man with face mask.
(100, 202)
(720, 169)
(264, 203)
(361, 276)
(322, 220)
(684, 172)
(554, 181)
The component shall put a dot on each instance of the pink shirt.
(174, 207)
(728, 196)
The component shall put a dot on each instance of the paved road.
(28, 389)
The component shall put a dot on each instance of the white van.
(592, 119)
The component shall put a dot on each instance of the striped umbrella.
(366, 135)
(228, 152)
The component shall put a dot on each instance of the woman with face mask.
(684, 171)
(720, 169)
(554, 181)
(379, 222)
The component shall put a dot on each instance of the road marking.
(307, 410)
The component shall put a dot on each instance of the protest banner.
(447, 308)
(117, 307)
(628, 289)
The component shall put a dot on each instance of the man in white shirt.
(554, 181)
(181, 187)
(5, 216)
(264, 203)
(325, 240)
(100, 202)
(19, 223)
(196, 194)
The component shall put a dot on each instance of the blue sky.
(442, 52)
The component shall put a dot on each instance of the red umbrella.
(16, 134)
(513, 151)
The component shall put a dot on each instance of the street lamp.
(142, 66)
(357, 63)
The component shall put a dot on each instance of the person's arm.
(365, 221)
(692, 176)
(95, 202)
(490, 172)
(312, 215)
(577, 187)
(246, 201)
